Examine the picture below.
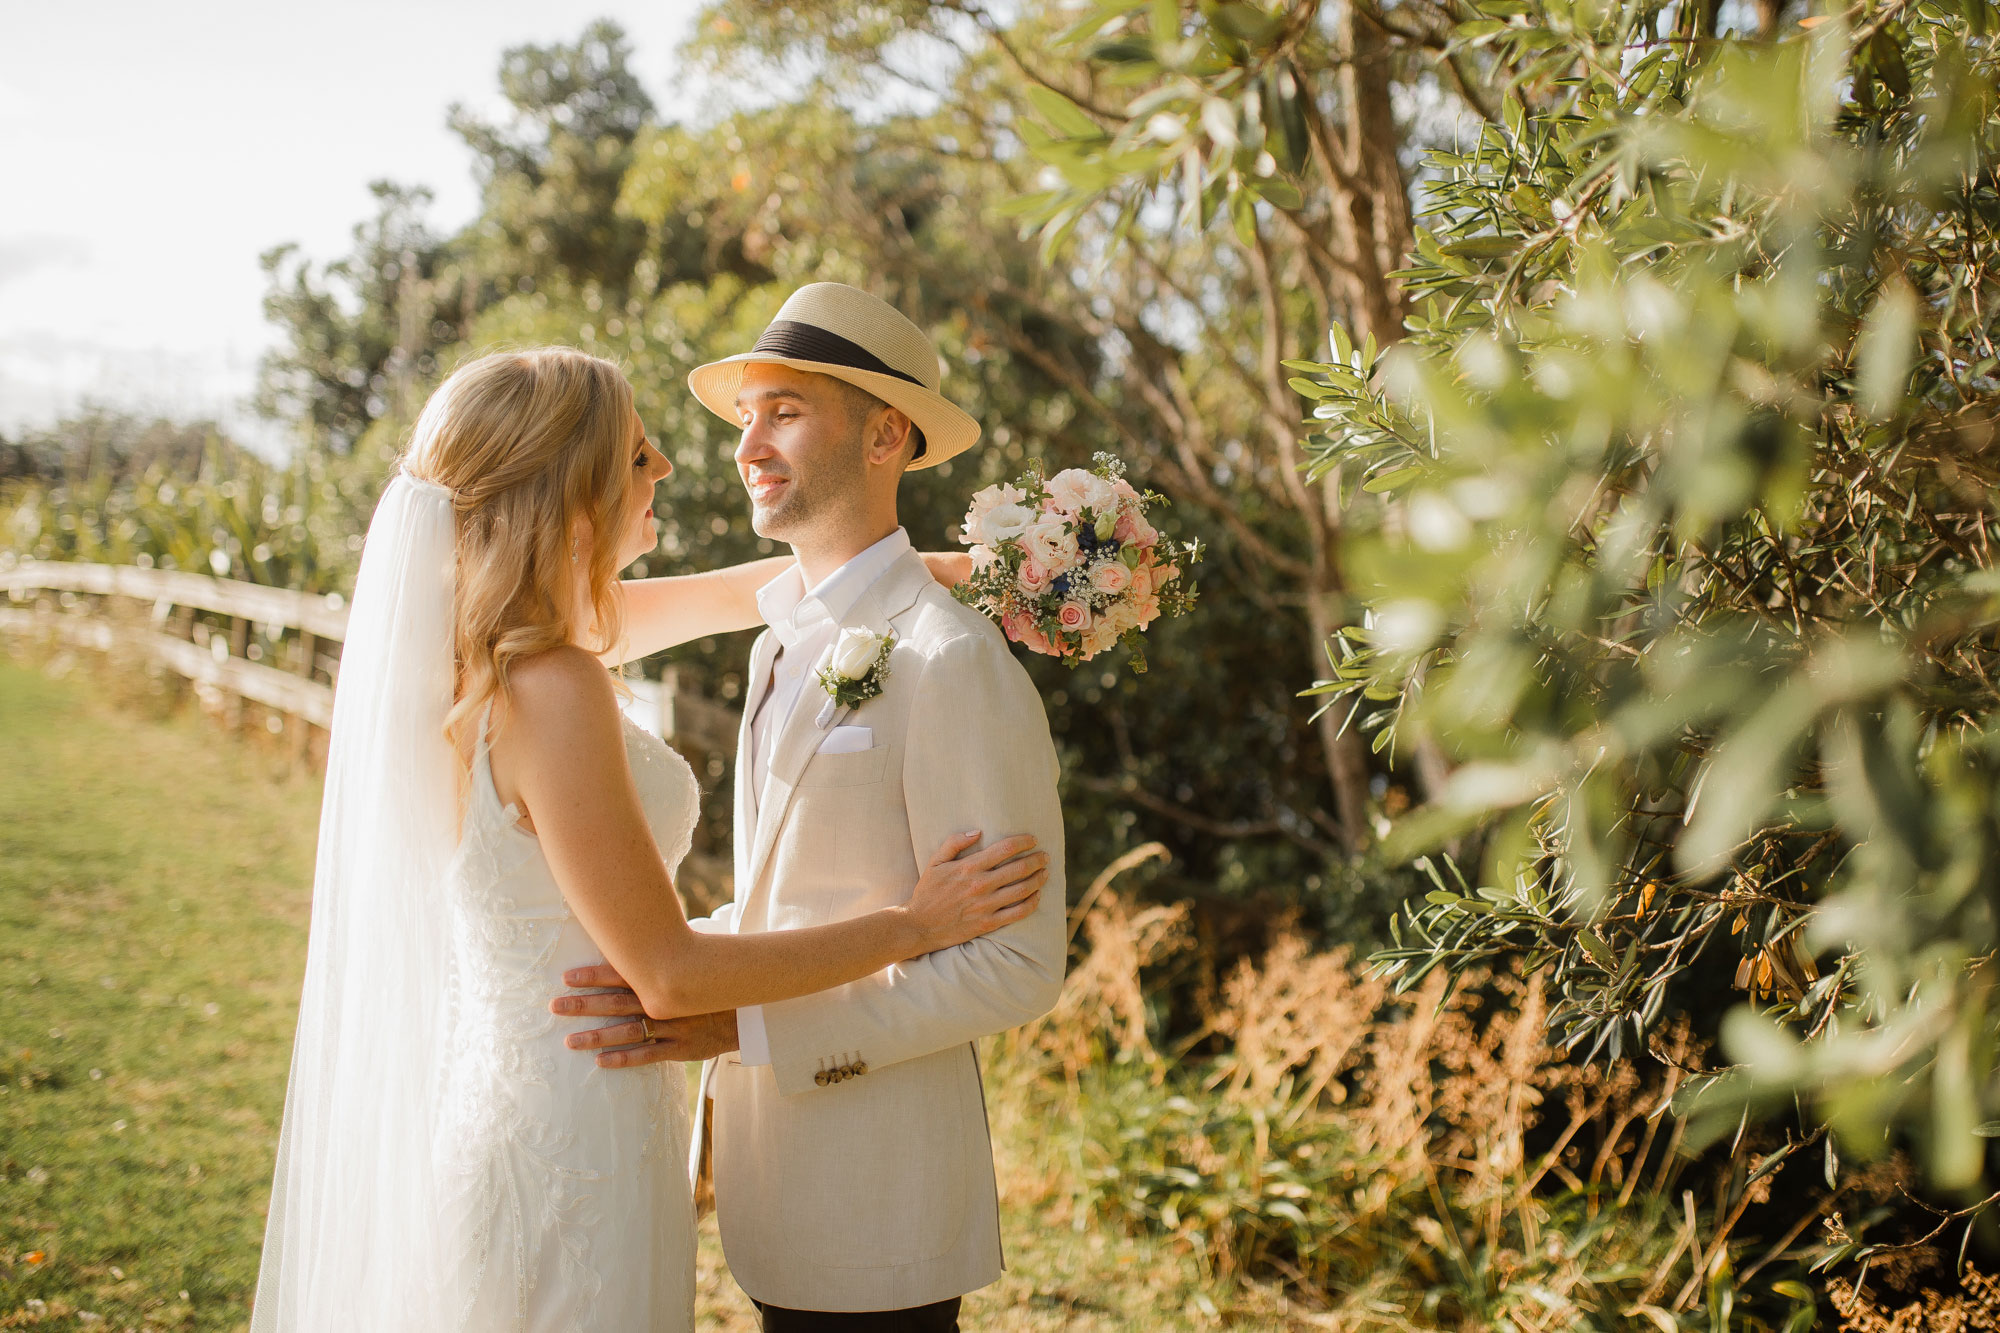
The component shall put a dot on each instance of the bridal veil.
(354, 1196)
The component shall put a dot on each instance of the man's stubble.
(820, 498)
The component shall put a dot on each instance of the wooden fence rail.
(324, 616)
(49, 598)
(92, 606)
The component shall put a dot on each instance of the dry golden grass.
(1975, 1305)
(1354, 1159)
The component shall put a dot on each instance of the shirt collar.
(792, 611)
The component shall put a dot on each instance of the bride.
(490, 820)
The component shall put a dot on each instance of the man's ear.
(891, 436)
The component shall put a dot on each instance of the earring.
(572, 552)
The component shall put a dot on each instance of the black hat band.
(809, 342)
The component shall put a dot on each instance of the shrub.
(1689, 556)
(1427, 1162)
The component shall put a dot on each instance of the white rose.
(985, 501)
(853, 654)
(1003, 522)
(1053, 544)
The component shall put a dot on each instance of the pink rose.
(1033, 576)
(1074, 616)
(1124, 490)
(1148, 609)
(1101, 638)
(1133, 530)
(1110, 576)
(1165, 574)
(1142, 578)
(1022, 630)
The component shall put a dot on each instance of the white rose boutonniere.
(851, 672)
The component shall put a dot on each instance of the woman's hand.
(950, 568)
(963, 897)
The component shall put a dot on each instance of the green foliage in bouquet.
(1688, 554)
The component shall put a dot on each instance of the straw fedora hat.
(830, 328)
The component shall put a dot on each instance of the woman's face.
(639, 532)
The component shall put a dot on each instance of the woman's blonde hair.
(529, 443)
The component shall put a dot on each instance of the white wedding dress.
(566, 1206)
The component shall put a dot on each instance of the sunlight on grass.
(153, 881)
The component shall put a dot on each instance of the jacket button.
(860, 1067)
(820, 1078)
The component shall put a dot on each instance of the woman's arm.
(948, 567)
(561, 756)
(661, 613)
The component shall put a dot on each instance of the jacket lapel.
(762, 654)
(885, 599)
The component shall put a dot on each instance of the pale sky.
(152, 151)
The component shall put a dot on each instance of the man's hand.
(698, 1037)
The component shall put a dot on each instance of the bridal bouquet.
(1069, 566)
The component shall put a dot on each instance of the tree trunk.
(1371, 200)
(1372, 235)
(1346, 752)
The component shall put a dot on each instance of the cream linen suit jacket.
(873, 1189)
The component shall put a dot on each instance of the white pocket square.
(848, 740)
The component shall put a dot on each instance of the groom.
(853, 1171)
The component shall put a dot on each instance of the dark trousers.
(939, 1318)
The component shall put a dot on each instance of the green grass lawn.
(153, 894)
(154, 877)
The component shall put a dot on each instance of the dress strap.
(482, 754)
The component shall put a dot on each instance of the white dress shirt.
(805, 623)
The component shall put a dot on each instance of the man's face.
(802, 452)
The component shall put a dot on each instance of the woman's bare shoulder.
(561, 688)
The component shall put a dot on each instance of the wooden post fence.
(76, 603)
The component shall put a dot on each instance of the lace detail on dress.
(568, 1205)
